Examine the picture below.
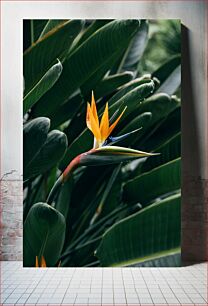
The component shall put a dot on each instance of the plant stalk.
(63, 178)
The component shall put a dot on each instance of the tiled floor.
(108, 286)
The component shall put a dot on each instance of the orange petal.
(36, 262)
(92, 124)
(88, 117)
(116, 122)
(104, 125)
(94, 109)
(43, 262)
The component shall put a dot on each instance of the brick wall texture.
(11, 210)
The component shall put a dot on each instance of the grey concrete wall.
(194, 119)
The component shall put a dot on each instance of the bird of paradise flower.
(102, 153)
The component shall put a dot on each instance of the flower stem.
(63, 178)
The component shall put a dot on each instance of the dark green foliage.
(127, 213)
(148, 234)
(44, 234)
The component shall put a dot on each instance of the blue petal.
(112, 140)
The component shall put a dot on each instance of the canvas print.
(102, 143)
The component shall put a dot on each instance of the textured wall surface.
(11, 220)
(194, 113)
(194, 220)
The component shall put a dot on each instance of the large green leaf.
(167, 128)
(164, 71)
(154, 183)
(38, 25)
(44, 233)
(129, 87)
(140, 121)
(170, 150)
(95, 25)
(43, 53)
(51, 24)
(87, 59)
(172, 260)
(136, 48)
(132, 99)
(49, 155)
(43, 85)
(66, 112)
(34, 136)
(111, 83)
(169, 75)
(151, 233)
(172, 83)
(63, 202)
(68, 109)
(160, 105)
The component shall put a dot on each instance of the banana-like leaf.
(151, 233)
(160, 105)
(164, 131)
(172, 83)
(66, 112)
(111, 83)
(137, 47)
(43, 85)
(169, 75)
(42, 54)
(36, 27)
(68, 109)
(154, 183)
(133, 99)
(49, 155)
(111, 155)
(87, 59)
(84, 141)
(94, 80)
(130, 86)
(44, 233)
(173, 260)
(142, 120)
(164, 71)
(34, 136)
(96, 25)
(63, 202)
(51, 24)
(170, 150)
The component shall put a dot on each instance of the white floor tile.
(112, 286)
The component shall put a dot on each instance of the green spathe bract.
(111, 155)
